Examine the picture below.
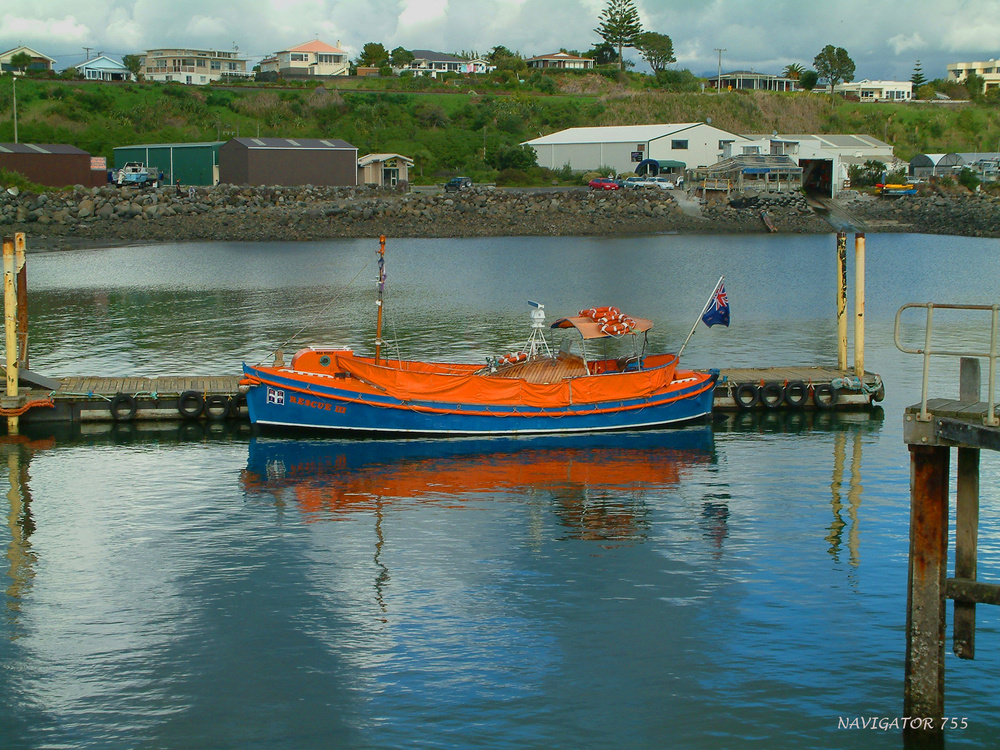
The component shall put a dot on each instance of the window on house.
(640, 147)
(216, 65)
(298, 57)
(678, 144)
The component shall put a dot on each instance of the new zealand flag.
(717, 311)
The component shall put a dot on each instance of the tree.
(498, 53)
(373, 54)
(793, 71)
(134, 64)
(834, 65)
(400, 57)
(656, 49)
(603, 54)
(974, 84)
(619, 26)
(808, 80)
(513, 157)
(21, 61)
(918, 78)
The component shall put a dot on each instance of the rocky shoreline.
(111, 215)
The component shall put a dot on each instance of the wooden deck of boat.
(89, 398)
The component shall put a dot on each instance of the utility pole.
(13, 79)
(718, 82)
(87, 50)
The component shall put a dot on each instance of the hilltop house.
(877, 91)
(747, 80)
(38, 60)
(560, 61)
(104, 68)
(193, 66)
(988, 70)
(309, 59)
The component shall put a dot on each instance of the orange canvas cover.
(468, 388)
(590, 329)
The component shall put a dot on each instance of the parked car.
(663, 183)
(604, 183)
(457, 183)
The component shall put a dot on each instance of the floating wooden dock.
(134, 399)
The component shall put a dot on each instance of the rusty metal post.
(859, 305)
(967, 518)
(842, 301)
(923, 691)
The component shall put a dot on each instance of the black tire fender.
(796, 394)
(123, 407)
(746, 396)
(824, 396)
(772, 395)
(217, 406)
(190, 404)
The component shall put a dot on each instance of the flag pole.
(698, 320)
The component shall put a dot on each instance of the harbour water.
(739, 584)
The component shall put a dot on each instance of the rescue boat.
(531, 391)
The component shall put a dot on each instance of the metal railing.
(927, 351)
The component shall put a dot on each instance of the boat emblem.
(275, 396)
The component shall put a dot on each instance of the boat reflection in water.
(598, 483)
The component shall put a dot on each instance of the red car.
(604, 183)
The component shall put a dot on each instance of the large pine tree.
(619, 26)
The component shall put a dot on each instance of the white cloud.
(901, 43)
(31, 30)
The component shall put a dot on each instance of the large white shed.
(622, 147)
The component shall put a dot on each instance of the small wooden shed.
(385, 170)
(288, 161)
(53, 164)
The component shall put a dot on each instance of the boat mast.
(378, 302)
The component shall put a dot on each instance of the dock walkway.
(96, 399)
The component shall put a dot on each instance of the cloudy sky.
(884, 37)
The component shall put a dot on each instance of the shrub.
(968, 179)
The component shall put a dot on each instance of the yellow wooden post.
(842, 301)
(10, 321)
(22, 300)
(859, 304)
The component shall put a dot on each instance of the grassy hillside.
(447, 127)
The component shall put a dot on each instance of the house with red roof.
(313, 58)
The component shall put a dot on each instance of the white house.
(429, 63)
(621, 147)
(193, 66)
(313, 58)
(877, 91)
(103, 68)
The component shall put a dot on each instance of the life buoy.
(190, 404)
(746, 396)
(513, 358)
(123, 407)
(772, 395)
(824, 396)
(796, 394)
(217, 406)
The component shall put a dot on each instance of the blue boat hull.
(281, 402)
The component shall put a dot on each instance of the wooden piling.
(967, 518)
(10, 328)
(842, 301)
(859, 304)
(22, 299)
(923, 691)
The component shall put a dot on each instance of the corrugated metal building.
(53, 164)
(623, 147)
(288, 161)
(191, 163)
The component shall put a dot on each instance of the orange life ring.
(513, 358)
